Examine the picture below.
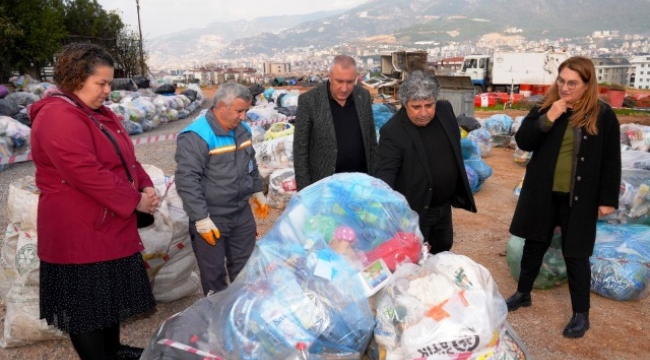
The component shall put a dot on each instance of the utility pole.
(142, 70)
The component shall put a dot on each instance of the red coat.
(86, 210)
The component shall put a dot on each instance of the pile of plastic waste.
(620, 263)
(306, 286)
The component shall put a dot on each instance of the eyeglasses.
(571, 84)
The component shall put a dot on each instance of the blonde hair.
(585, 110)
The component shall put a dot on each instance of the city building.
(276, 68)
(612, 70)
(640, 76)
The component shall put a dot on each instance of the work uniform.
(216, 175)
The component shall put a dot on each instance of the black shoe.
(126, 352)
(518, 300)
(578, 325)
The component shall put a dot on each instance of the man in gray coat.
(334, 129)
(215, 177)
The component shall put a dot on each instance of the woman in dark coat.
(572, 179)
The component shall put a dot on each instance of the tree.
(127, 53)
(86, 20)
(31, 32)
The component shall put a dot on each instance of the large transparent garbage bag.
(282, 186)
(276, 153)
(553, 270)
(636, 136)
(448, 308)
(620, 263)
(499, 126)
(472, 158)
(632, 159)
(472, 177)
(521, 157)
(633, 200)
(306, 283)
(483, 139)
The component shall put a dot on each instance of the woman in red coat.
(92, 274)
(573, 177)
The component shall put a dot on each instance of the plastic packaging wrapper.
(636, 136)
(483, 138)
(521, 157)
(296, 288)
(282, 186)
(257, 134)
(448, 308)
(633, 159)
(633, 200)
(620, 264)
(472, 158)
(553, 270)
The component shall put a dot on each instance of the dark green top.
(562, 178)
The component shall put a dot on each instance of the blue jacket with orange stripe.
(216, 169)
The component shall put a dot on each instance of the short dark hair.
(76, 62)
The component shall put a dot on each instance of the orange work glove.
(208, 231)
(260, 207)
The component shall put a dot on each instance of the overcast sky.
(160, 17)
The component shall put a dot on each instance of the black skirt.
(81, 298)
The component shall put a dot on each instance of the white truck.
(503, 71)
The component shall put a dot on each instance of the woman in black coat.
(572, 179)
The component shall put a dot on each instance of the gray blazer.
(314, 139)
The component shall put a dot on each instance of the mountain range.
(404, 22)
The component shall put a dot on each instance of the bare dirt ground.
(618, 329)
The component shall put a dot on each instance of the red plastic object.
(397, 250)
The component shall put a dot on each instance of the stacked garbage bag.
(20, 269)
(477, 170)
(635, 137)
(500, 127)
(553, 271)
(305, 288)
(520, 157)
(143, 110)
(282, 101)
(620, 263)
(381, 113)
(447, 308)
(168, 254)
(274, 156)
(27, 91)
(14, 138)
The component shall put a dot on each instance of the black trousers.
(578, 269)
(437, 228)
